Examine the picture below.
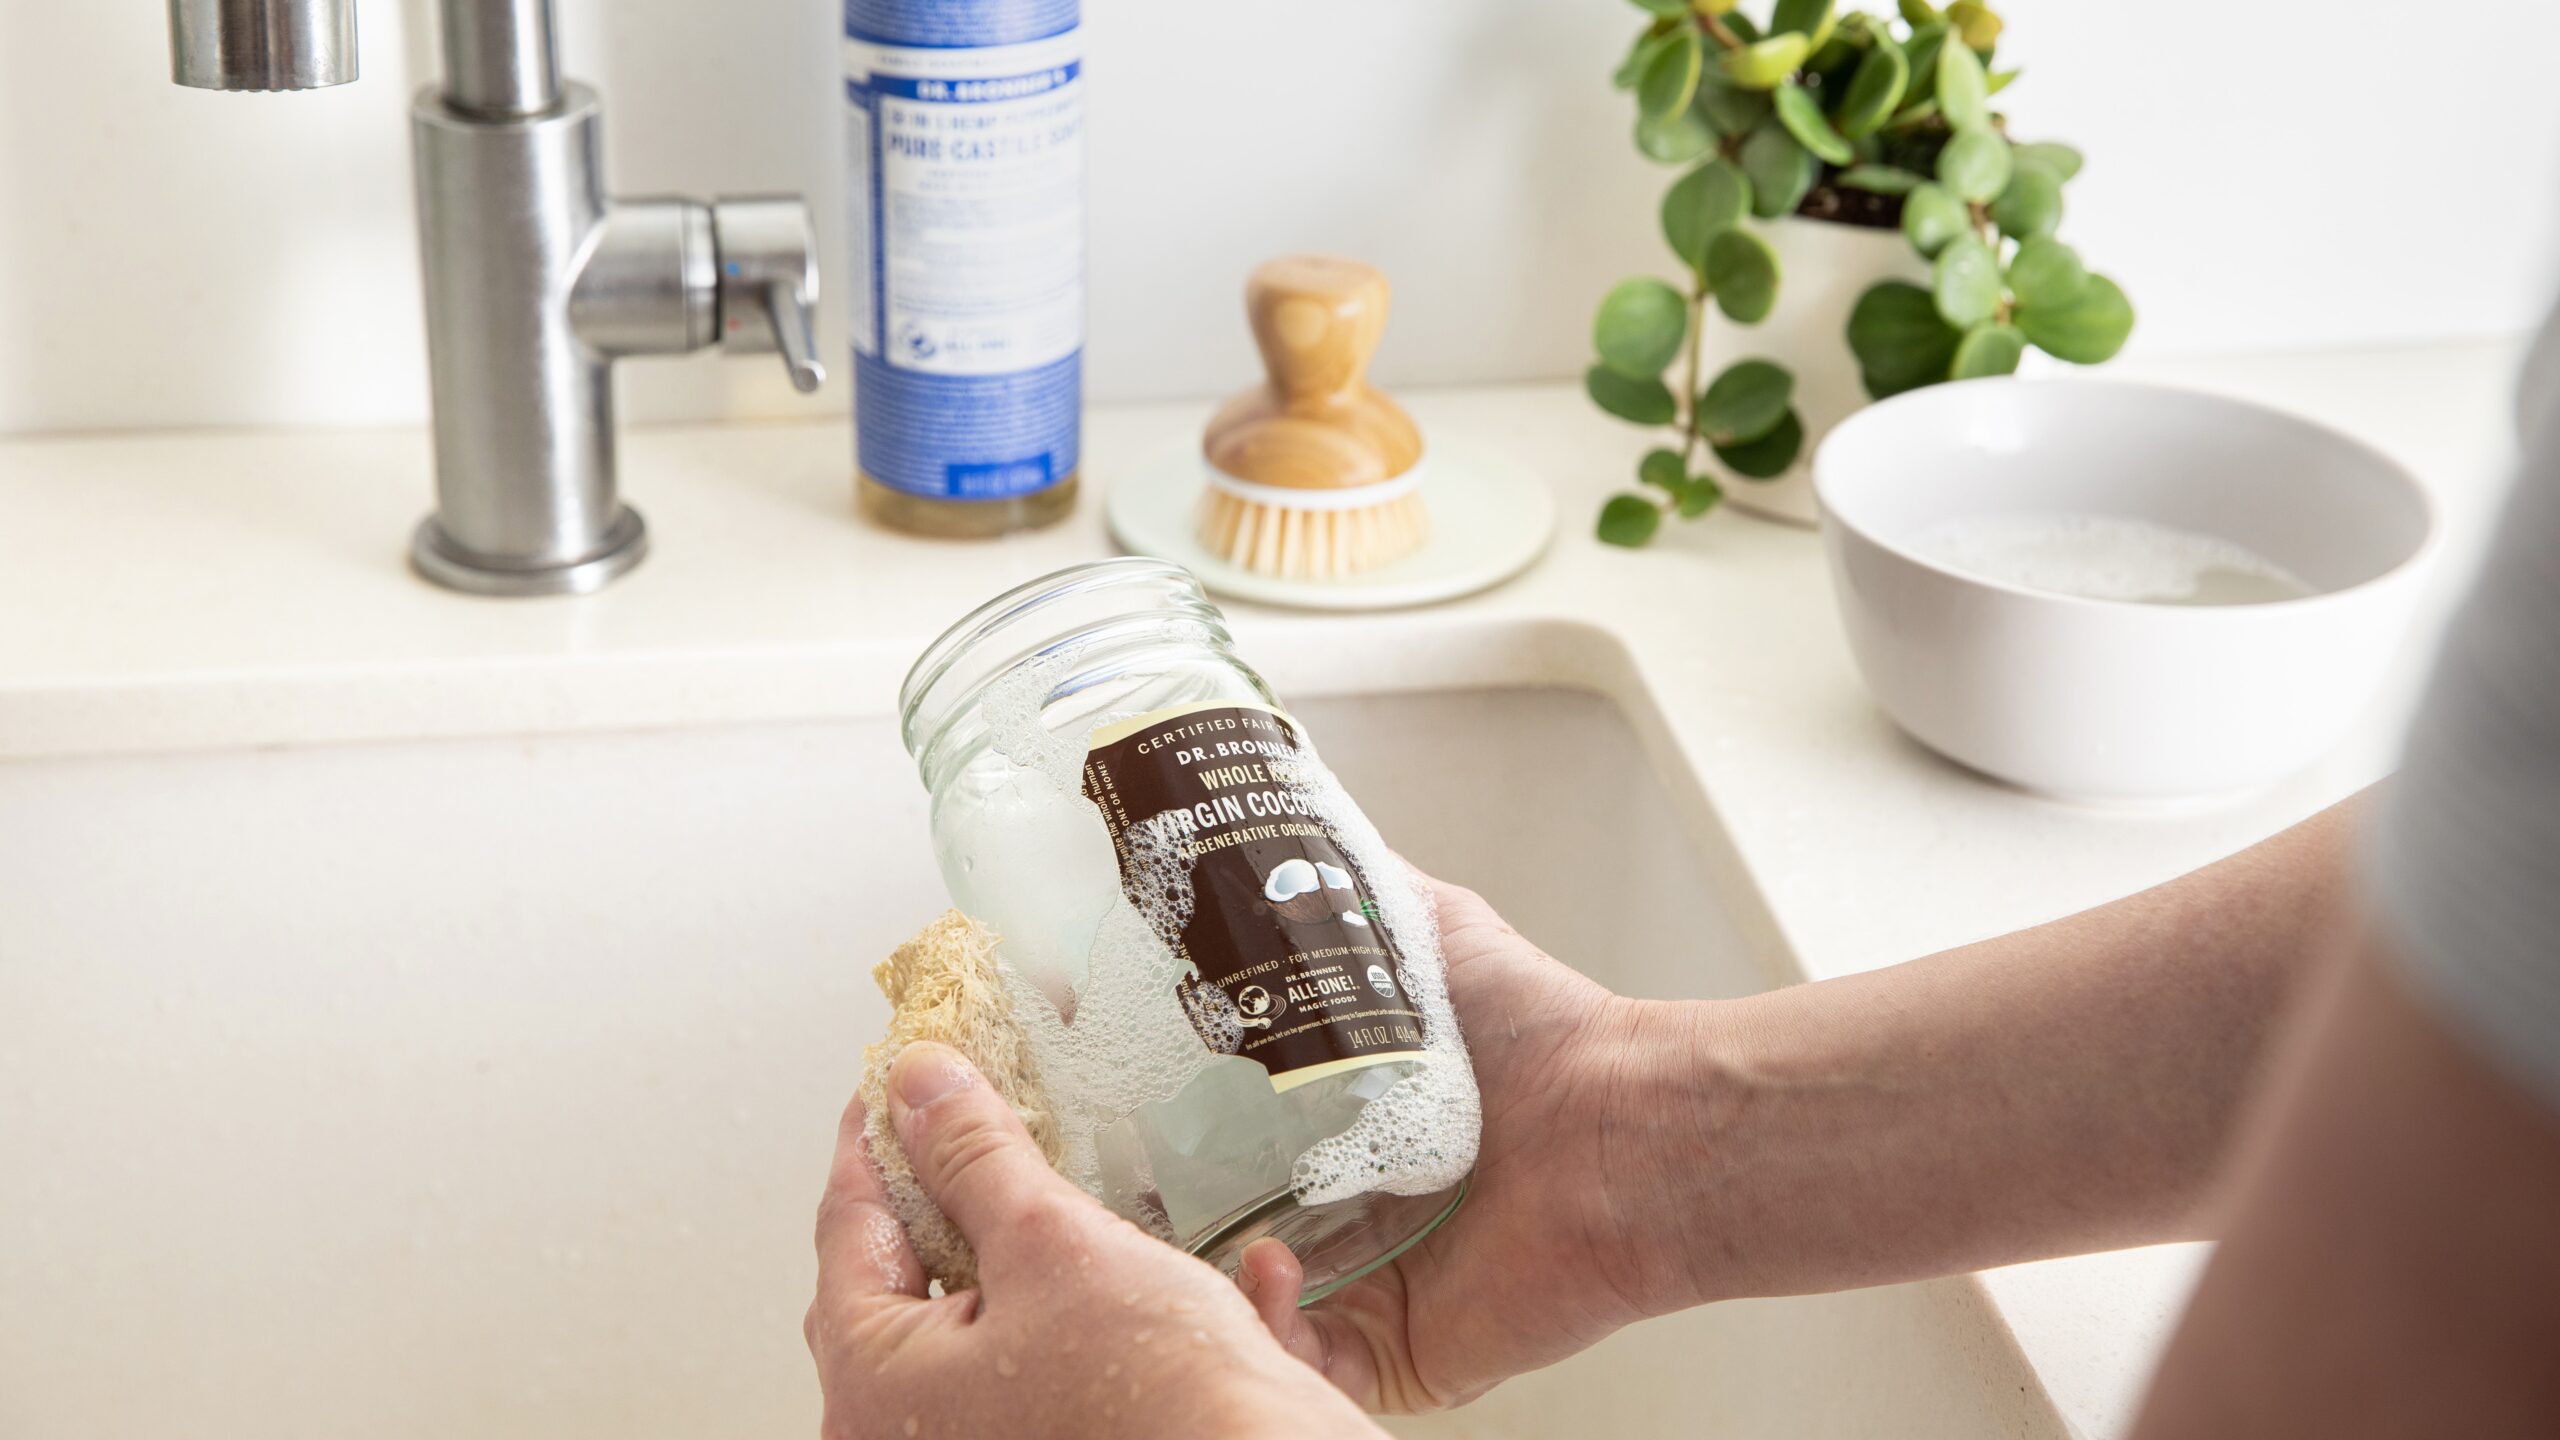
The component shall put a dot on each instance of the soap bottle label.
(965, 125)
(1292, 967)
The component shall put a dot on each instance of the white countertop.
(171, 592)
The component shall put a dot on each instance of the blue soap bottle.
(965, 123)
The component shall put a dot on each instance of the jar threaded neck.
(1054, 613)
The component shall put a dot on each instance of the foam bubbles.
(1420, 1136)
(1130, 1040)
(1140, 1025)
(2107, 557)
(1214, 1014)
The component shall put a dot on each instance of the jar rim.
(940, 687)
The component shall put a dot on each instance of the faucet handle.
(768, 282)
(791, 317)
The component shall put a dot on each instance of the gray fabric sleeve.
(2465, 867)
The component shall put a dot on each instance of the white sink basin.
(484, 1087)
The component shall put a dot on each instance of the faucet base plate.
(436, 557)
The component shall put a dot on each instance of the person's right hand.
(1083, 1325)
(1561, 1238)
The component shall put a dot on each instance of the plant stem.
(1716, 27)
(1689, 374)
(1982, 231)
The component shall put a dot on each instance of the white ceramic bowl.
(2108, 699)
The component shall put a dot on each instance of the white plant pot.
(1823, 267)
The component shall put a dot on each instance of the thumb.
(969, 1150)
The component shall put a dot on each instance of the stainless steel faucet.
(535, 281)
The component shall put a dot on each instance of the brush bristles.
(1311, 544)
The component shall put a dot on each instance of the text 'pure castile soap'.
(965, 122)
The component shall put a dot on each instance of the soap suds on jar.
(1419, 1137)
(1142, 1025)
(1130, 1041)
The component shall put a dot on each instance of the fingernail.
(925, 1072)
(1244, 1279)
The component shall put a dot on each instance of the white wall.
(2281, 174)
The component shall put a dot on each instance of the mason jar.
(1219, 964)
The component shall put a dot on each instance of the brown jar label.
(1293, 967)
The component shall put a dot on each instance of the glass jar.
(1220, 965)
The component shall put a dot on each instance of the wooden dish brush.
(1314, 473)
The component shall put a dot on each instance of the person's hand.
(1083, 1325)
(1556, 1245)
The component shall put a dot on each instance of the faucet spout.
(262, 44)
(501, 57)
(535, 280)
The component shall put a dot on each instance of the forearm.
(2390, 1266)
(2063, 1089)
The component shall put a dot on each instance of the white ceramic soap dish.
(1489, 519)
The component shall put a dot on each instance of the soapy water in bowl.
(2107, 557)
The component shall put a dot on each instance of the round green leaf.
(1746, 402)
(1727, 107)
(1742, 271)
(1961, 95)
(1640, 326)
(1700, 496)
(1802, 115)
(1966, 283)
(1830, 65)
(1761, 64)
(1873, 91)
(1882, 179)
(1645, 402)
(1922, 50)
(1781, 171)
(1640, 54)
(1713, 7)
(1705, 202)
(1975, 164)
(1676, 141)
(2045, 272)
(1664, 8)
(1768, 457)
(2061, 159)
(1662, 468)
(1629, 520)
(2087, 328)
(2031, 204)
(1931, 216)
(1812, 19)
(1900, 342)
(1976, 22)
(2001, 80)
(1670, 78)
(1987, 350)
(1916, 12)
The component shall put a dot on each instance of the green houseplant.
(1855, 119)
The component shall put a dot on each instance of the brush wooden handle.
(1316, 424)
(1317, 319)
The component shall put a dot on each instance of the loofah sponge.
(943, 985)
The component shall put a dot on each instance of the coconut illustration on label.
(1106, 699)
(1214, 806)
(1295, 888)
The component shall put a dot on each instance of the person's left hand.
(1083, 1324)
